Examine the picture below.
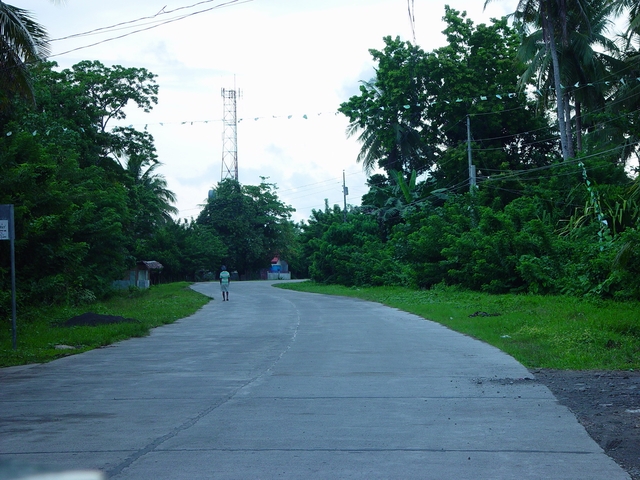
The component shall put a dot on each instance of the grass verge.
(539, 331)
(40, 330)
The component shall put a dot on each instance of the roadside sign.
(6, 222)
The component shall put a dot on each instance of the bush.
(352, 254)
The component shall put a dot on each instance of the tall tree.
(106, 91)
(632, 9)
(474, 76)
(591, 56)
(418, 103)
(618, 127)
(585, 60)
(385, 115)
(75, 203)
(84, 100)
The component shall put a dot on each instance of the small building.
(145, 274)
(279, 270)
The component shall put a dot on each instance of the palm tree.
(397, 148)
(549, 19)
(632, 8)
(372, 149)
(623, 101)
(150, 191)
(22, 41)
(588, 58)
(373, 153)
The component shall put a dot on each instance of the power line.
(330, 185)
(175, 19)
(121, 24)
(520, 173)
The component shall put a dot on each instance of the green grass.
(539, 331)
(40, 330)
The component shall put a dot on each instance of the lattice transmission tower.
(229, 135)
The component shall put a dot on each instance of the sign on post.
(4, 229)
(7, 232)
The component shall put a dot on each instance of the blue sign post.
(7, 232)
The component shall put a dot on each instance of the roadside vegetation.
(502, 178)
(41, 330)
(539, 331)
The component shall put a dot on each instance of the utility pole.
(345, 192)
(472, 167)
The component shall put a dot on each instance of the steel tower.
(229, 136)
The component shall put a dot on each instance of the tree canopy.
(412, 116)
(252, 222)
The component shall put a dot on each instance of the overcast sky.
(288, 59)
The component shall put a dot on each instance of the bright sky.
(288, 58)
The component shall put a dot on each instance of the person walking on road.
(224, 283)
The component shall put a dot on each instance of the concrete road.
(279, 384)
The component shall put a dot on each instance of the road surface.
(281, 384)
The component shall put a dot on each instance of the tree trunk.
(551, 45)
(579, 126)
(567, 124)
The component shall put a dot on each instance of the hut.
(145, 274)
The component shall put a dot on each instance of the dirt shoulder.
(607, 404)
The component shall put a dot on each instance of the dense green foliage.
(539, 220)
(412, 115)
(544, 107)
